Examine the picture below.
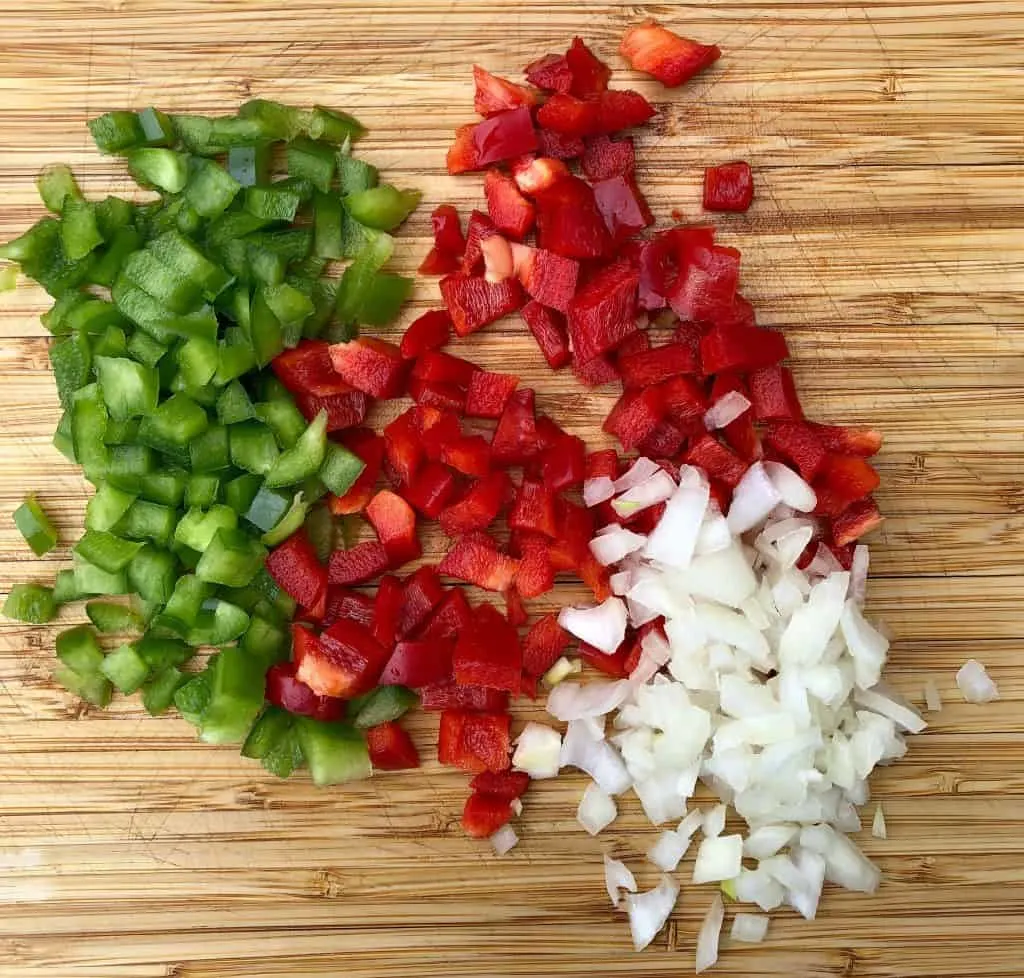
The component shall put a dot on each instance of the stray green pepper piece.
(383, 207)
(79, 650)
(126, 669)
(335, 752)
(56, 185)
(334, 127)
(384, 298)
(357, 280)
(159, 168)
(35, 526)
(289, 522)
(94, 688)
(381, 705)
(116, 131)
(33, 604)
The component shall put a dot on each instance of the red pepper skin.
(558, 145)
(664, 441)
(513, 215)
(741, 348)
(370, 448)
(450, 617)
(473, 302)
(671, 59)
(403, 447)
(395, 522)
(488, 653)
(550, 332)
(533, 174)
(489, 393)
(483, 815)
(602, 314)
(595, 577)
(448, 236)
(372, 366)
(494, 94)
(423, 593)
(717, 460)
(548, 278)
(535, 574)
(439, 367)
(391, 748)
(589, 73)
(347, 663)
(504, 136)
(604, 158)
(800, 444)
(729, 187)
(475, 741)
(563, 464)
(622, 206)
(295, 567)
(603, 463)
(469, 455)
(707, 286)
(508, 784)
(307, 369)
(569, 222)
(293, 695)
(463, 155)
(451, 696)
(849, 440)
(635, 416)
(479, 508)
(846, 478)
(657, 365)
(613, 665)
(419, 662)
(575, 531)
(597, 371)
(638, 342)
(594, 115)
(515, 439)
(345, 410)
(515, 610)
(663, 259)
(858, 519)
(773, 395)
(430, 331)
(387, 607)
(476, 562)
(432, 394)
(431, 490)
(304, 642)
(479, 227)
(533, 509)
(543, 645)
(550, 73)
(740, 434)
(437, 262)
(347, 604)
(360, 564)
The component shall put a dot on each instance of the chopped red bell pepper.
(659, 364)
(494, 94)
(533, 509)
(569, 222)
(597, 371)
(549, 434)
(611, 664)
(636, 414)
(550, 73)
(515, 610)
(559, 146)
(297, 570)
(728, 187)
(536, 574)
(387, 607)
(293, 695)
(683, 400)
(589, 73)
(437, 262)
(603, 463)
(563, 464)
(419, 662)
(473, 302)
(437, 426)
(548, 278)
(511, 212)
(799, 443)
(475, 559)
(391, 748)
(594, 115)
(452, 696)
(843, 554)
(604, 158)
(430, 331)
(483, 815)
(307, 369)
(717, 460)
(342, 603)
(543, 644)
(847, 478)
(706, 288)
(403, 447)
(638, 342)
(449, 618)
(533, 174)
(370, 448)
(671, 59)
(595, 577)
(475, 741)
(663, 259)
(858, 519)
(463, 154)
(478, 229)
(849, 440)
(488, 653)
(344, 410)
(423, 593)
(504, 136)
(507, 784)
(575, 531)
(470, 455)
(602, 314)
(372, 366)
(550, 332)
(622, 206)
(741, 348)
(448, 237)
(439, 367)
(395, 522)
(431, 394)
(773, 395)
(515, 439)
(489, 393)
(665, 441)
(347, 662)
(431, 490)
(360, 564)
(479, 508)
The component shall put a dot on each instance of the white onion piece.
(859, 573)
(720, 858)
(562, 669)
(673, 540)
(640, 471)
(596, 757)
(714, 822)
(598, 490)
(649, 911)
(538, 751)
(881, 701)
(597, 810)
(932, 697)
(975, 683)
(749, 928)
(725, 410)
(867, 645)
(754, 498)
(610, 548)
(571, 701)
(667, 850)
(617, 876)
(603, 627)
(792, 490)
(760, 887)
(710, 932)
(769, 839)
(504, 840)
(845, 864)
(878, 827)
(658, 488)
(689, 825)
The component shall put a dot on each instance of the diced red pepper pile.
(559, 244)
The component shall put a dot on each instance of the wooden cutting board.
(886, 240)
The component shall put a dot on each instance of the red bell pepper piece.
(559, 146)
(717, 460)
(773, 395)
(799, 443)
(563, 464)
(431, 490)
(550, 332)
(638, 342)
(473, 302)
(494, 94)
(706, 287)
(478, 229)
(603, 312)
(590, 74)
(663, 259)
(432, 394)
(479, 508)
(683, 400)
(347, 663)
(594, 115)
(728, 187)
(515, 610)
(360, 564)
(475, 741)
(419, 662)
(848, 477)
(515, 438)
(395, 522)
(469, 455)
(741, 348)
(507, 784)
(603, 463)
(543, 644)
(448, 237)
(533, 174)
(345, 410)
(597, 371)
(613, 664)
(423, 593)
(437, 262)
(636, 414)
(391, 748)
(548, 278)
(370, 449)
(536, 574)
(511, 212)
(463, 154)
(342, 603)
(449, 618)
(372, 366)
(533, 509)
(849, 440)
(595, 577)
(665, 441)
(488, 653)
(297, 570)
(659, 364)
(307, 369)
(452, 696)
(550, 73)
(387, 607)
(604, 158)
(549, 434)
(504, 136)
(293, 695)
(439, 367)
(622, 206)
(671, 59)
(430, 331)
(475, 561)
(402, 446)
(858, 519)
(483, 815)
(489, 393)
(569, 222)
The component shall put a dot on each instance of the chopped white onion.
(975, 683)
(719, 858)
(749, 928)
(725, 410)
(673, 540)
(504, 839)
(611, 547)
(887, 704)
(932, 697)
(538, 751)
(792, 490)
(753, 499)
(649, 911)
(689, 825)
(596, 810)
(598, 490)
(652, 491)
(640, 471)
(667, 850)
(714, 822)
(769, 839)
(710, 932)
(598, 758)
(571, 701)
(878, 826)
(859, 573)
(617, 877)
(603, 626)
(562, 669)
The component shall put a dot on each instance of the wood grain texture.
(886, 241)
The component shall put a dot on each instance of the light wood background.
(886, 239)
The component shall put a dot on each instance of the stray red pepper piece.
(463, 154)
(483, 815)
(548, 278)
(295, 567)
(489, 393)
(342, 603)
(419, 662)
(477, 561)
(858, 519)
(448, 237)
(387, 607)
(515, 439)
(437, 262)
(395, 522)
(551, 73)
(846, 479)
(488, 653)
(589, 73)
(307, 369)
(348, 661)
(728, 187)
(707, 286)
(602, 314)
(507, 784)
(431, 490)
(849, 440)
(543, 644)
(773, 395)
(452, 696)
(450, 617)
(569, 222)
(550, 332)
(403, 447)
(391, 748)
(475, 741)
(494, 94)
(293, 695)
(717, 460)
(360, 564)
(370, 365)
(479, 508)
(469, 455)
(423, 593)
(511, 212)
(622, 206)
(670, 58)
(473, 302)
(604, 158)
(741, 348)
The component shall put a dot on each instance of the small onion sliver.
(725, 410)
(617, 876)
(710, 932)
(504, 840)
(975, 683)
(793, 491)
(749, 928)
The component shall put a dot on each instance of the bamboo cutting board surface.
(885, 240)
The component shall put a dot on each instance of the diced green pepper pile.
(165, 315)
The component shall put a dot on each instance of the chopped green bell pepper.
(381, 705)
(304, 458)
(159, 168)
(313, 161)
(35, 526)
(129, 389)
(33, 604)
(232, 558)
(56, 185)
(335, 752)
(125, 668)
(113, 619)
(79, 234)
(236, 697)
(116, 131)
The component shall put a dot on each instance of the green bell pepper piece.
(185, 604)
(33, 604)
(341, 468)
(211, 452)
(79, 234)
(174, 424)
(114, 214)
(217, 623)
(93, 316)
(158, 692)
(232, 558)
(253, 447)
(381, 705)
(166, 488)
(355, 176)
(289, 523)
(113, 619)
(35, 526)
(112, 342)
(146, 350)
(91, 579)
(93, 688)
(265, 639)
(334, 127)
(267, 508)
(383, 207)
(241, 491)
(236, 697)
(116, 131)
(194, 132)
(272, 203)
(193, 698)
(159, 652)
(384, 298)
(107, 507)
(88, 424)
(125, 668)
(234, 405)
(79, 650)
(327, 241)
(272, 725)
(56, 185)
(106, 551)
(202, 490)
(71, 359)
(313, 161)
(358, 278)
(147, 520)
(284, 419)
(129, 389)
(265, 333)
(277, 121)
(180, 254)
(197, 361)
(335, 752)
(210, 189)
(304, 458)
(153, 573)
(62, 439)
(172, 290)
(235, 356)
(159, 168)
(157, 127)
(196, 529)
(249, 165)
